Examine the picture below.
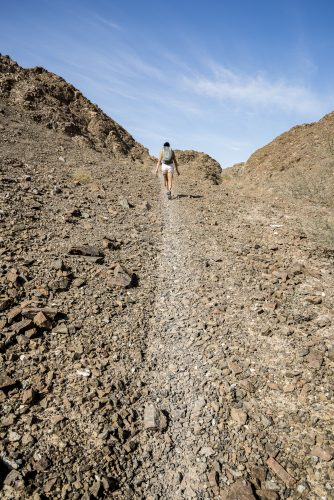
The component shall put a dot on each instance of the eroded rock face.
(50, 100)
(198, 165)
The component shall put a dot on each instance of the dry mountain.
(151, 348)
(51, 101)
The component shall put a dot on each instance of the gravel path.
(177, 372)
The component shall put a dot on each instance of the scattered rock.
(42, 321)
(239, 416)
(154, 419)
(84, 372)
(281, 472)
(124, 203)
(87, 250)
(121, 277)
(325, 454)
(240, 490)
(6, 381)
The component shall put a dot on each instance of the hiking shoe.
(169, 195)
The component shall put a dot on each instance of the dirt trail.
(176, 372)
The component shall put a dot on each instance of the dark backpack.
(167, 156)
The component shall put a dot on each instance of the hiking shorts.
(167, 168)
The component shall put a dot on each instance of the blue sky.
(216, 76)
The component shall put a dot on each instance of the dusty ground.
(204, 371)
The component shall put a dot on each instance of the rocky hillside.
(199, 165)
(154, 348)
(51, 101)
(298, 163)
(311, 146)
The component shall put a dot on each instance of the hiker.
(168, 162)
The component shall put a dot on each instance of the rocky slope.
(50, 100)
(298, 163)
(310, 145)
(157, 349)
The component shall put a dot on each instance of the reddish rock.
(281, 472)
(240, 490)
(42, 321)
(325, 453)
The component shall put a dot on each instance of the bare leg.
(166, 181)
(170, 180)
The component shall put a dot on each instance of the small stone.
(84, 372)
(21, 326)
(145, 206)
(60, 284)
(313, 299)
(13, 314)
(42, 321)
(14, 479)
(122, 277)
(213, 478)
(239, 416)
(109, 243)
(207, 451)
(6, 381)
(258, 473)
(154, 419)
(59, 265)
(124, 202)
(280, 472)
(48, 486)
(96, 488)
(7, 421)
(13, 437)
(29, 396)
(235, 367)
(4, 304)
(325, 454)
(41, 462)
(303, 487)
(55, 419)
(315, 360)
(240, 490)
(27, 439)
(61, 329)
(267, 494)
(78, 282)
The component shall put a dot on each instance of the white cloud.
(255, 91)
(108, 23)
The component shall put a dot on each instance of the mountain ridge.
(58, 105)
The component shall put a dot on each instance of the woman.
(168, 162)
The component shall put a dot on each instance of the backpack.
(167, 156)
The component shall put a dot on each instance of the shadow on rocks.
(193, 196)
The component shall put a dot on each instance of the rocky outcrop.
(51, 101)
(199, 165)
